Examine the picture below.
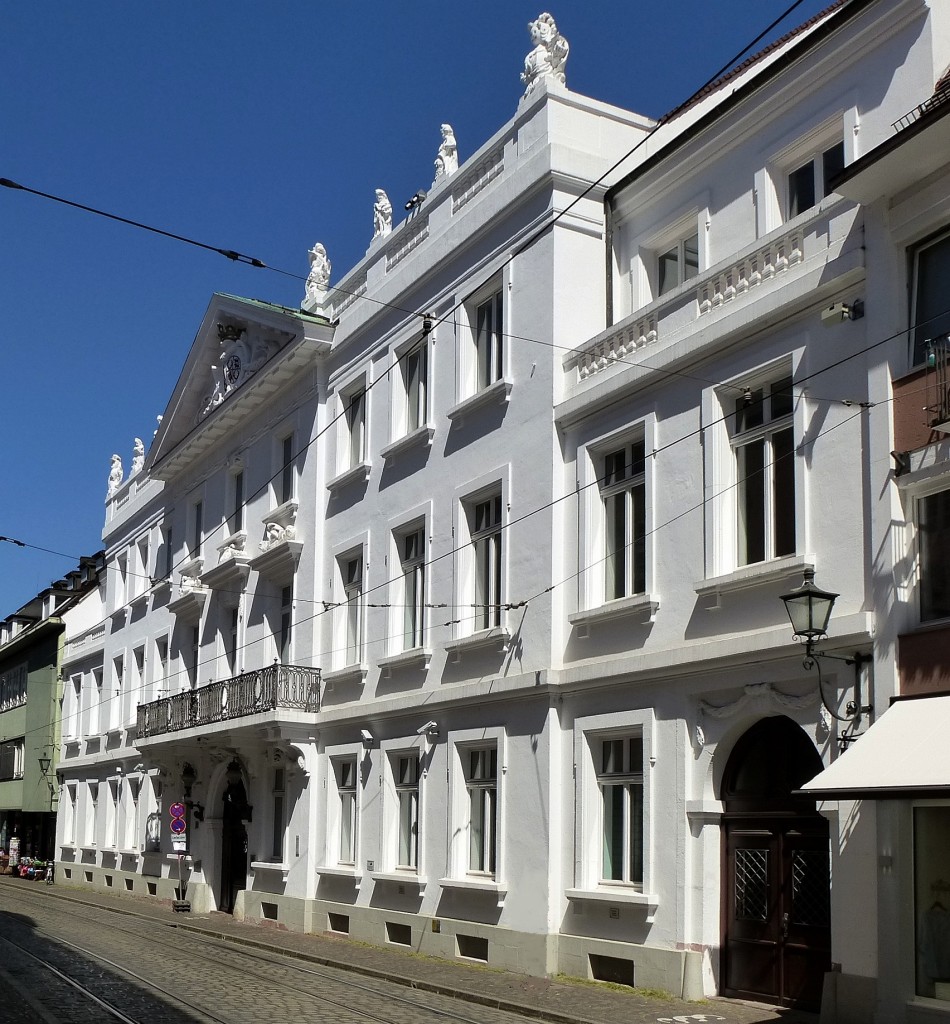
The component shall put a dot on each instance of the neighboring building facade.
(31, 647)
(461, 628)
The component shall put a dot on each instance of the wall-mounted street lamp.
(809, 611)
(45, 763)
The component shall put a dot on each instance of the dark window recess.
(269, 911)
(611, 968)
(473, 947)
(401, 934)
(339, 923)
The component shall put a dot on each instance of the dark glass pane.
(931, 316)
(615, 466)
(783, 492)
(690, 257)
(613, 832)
(933, 527)
(832, 161)
(750, 411)
(750, 460)
(637, 457)
(636, 834)
(668, 271)
(801, 189)
(615, 555)
(781, 399)
(639, 553)
(752, 885)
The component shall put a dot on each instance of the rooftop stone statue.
(382, 215)
(549, 55)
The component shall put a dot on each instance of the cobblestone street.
(212, 968)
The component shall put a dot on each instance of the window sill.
(68, 846)
(499, 391)
(88, 848)
(615, 894)
(497, 636)
(269, 865)
(192, 568)
(776, 570)
(475, 884)
(355, 474)
(138, 600)
(409, 878)
(421, 437)
(354, 673)
(284, 515)
(340, 871)
(415, 656)
(639, 604)
(130, 853)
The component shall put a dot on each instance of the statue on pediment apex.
(549, 55)
(138, 457)
(317, 280)
(447, 159)
(382, 215)
(115, 476)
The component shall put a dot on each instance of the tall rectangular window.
(140, 682)
(143, 567)
(406, 770)
(412, 564)
(193, 657)
(930, 308)
(346, 787)
(122, 580)
(237, 502)
(286, 624)
(677, 264)
(92, 817)
(197, 528)
(352, 569)
(118, 694)
(415, 378)
(764, 445)
(620, 779)
(481, 784)
(809, 181)
(485, 527)
(277, 839)
(933, 541)
(354, 405)
(11, 759)
(232, 622)
(169, 559)
(623, 491)
(160, 670)
(286, 477)
(489, 341)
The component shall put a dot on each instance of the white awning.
(905, 754)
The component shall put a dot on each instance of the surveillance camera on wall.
(367, 737)
(430, 729)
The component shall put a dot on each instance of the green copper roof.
(301, 314)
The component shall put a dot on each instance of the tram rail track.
(214, 945)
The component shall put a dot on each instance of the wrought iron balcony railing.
(267, 689)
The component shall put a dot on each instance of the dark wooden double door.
(776, 870)
(778, 937)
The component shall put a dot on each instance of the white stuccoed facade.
(367, 615)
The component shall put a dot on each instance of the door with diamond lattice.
(777, 915)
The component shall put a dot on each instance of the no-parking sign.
(178, 826)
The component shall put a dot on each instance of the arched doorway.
(233, 838)
(776, 884)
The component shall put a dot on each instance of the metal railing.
(277, 686)
(937, 100)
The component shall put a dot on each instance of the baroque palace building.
(462, 629)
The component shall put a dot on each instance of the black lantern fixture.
(44, 764)
(188, 777)
(809, 609)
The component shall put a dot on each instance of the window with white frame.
(197, 529)
(160, 667)
(121, 579)
(620, 781)
(351, 574)
(72, 708)
(763, 444)
(236, 519)
(112, 816)
(230, 637)
(11, 759)
(484, 516)
(354, 448)
(489, 341)
(13, 687)
(481, 786)
(278, 820)
(193, 654)
(69, 825)
(130, 839)
(347, 786)
(284, 483)
(168, 559)
(933, 554)
(623, 493)
(405, 768)
(930, 307)
(677, 262)
(411, 547)
(139, 683)
(612, 752)
(285, 639)
(92, 817)
(142, 567)
(412, 406)
(807, 181)
(117, 696)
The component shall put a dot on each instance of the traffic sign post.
(179, 829)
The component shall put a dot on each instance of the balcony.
(272, 689)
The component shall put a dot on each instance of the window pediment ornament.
(240, 355)
(759, 691)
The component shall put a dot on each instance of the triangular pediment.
(243, 352)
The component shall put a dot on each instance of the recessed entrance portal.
(233, 839)
(776, 885)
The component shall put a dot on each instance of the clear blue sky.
(259, 127)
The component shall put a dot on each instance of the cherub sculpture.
(115, 476)
(382, 215)
(447, 160)
(549, 55)
(318, 278)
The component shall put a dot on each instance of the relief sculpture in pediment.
(241, 355)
